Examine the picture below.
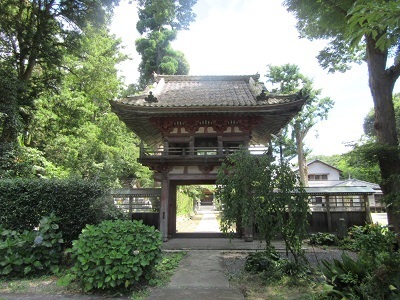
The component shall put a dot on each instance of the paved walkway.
(205, 220)
(209, 221)
(200, 276)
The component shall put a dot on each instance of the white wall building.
(321, 174)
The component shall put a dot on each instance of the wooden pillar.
(220, 146)
(172, 209)
(130, 206)
(166, 146)
(164, 206)
(191, 146)
(368, 217)
(328, 213)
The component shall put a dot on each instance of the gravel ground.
(234, 261)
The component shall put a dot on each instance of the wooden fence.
(140, 204)
(330, 204)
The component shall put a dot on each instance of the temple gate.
(189, 124)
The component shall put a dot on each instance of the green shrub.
(115, 254)
(372, 239)
(262, 261)
(323, 239)
(75, 202)
(273, 266)
(31, 252)
(376, 272)
(362, 279)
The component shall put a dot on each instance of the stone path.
(204, 221)
(200, 275)
(208, 222)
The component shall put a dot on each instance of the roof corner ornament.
(151, 98)
(302, 95)
(262, 96)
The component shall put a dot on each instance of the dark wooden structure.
(139, 204)
(330, 204)
(189, 124)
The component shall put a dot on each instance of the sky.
(242, 37)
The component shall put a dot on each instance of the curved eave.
(153, 110)
(275, 116)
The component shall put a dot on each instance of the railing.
(197, 151)
(136, 200)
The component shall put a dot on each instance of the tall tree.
(159, 23)
(363, 30)
(34, 36)
(289, 80)
(75, 129)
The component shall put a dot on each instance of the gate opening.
(198, 212)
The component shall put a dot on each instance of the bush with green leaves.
(115, 254)
(31, 252)
(323, 239)
(271, 264)
(375, 274)
(76, 202)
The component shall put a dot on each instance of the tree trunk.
(300, 154)
(381, 83)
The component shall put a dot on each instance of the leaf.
(7, 270)
(54, 269)
(27, 270)
(38, 265)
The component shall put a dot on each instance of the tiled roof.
(349, 190)
(205, 91)
(187, 96)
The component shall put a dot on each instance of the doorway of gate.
(198, 211)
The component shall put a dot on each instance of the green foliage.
(365, 19)
(75, 129)
(115, 254)
(262, 261)
(272, 265)
(165, 268)
(255, 191)
(157, 14)
(346, 275)
(287, 79)
(184, 204)
(159, 57)
(33, 44)
(159, 23)
(31, 252)
(363, 30)
(323, 239)
(375, 274)
(372, 239)
(75, 202)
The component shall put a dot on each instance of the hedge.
(75, 202)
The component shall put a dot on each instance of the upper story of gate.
(205, 115)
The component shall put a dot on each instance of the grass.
(257, 287)
(48, 284)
